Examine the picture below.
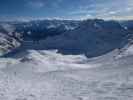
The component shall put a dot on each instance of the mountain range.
(93, 37)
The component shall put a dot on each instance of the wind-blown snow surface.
(48, 75)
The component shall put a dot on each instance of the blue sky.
(65, 9)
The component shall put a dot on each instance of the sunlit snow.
(48, 75)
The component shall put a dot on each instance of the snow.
(7, 43)
(54, 61)
(9, 28)
(129, 51)
(51, 26)
(48, 75)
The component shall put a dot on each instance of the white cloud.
(107, 9)
(129, 9)
(112, 12)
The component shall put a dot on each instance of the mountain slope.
(13, 34)
(52, 76)
(8, 40)
(92, 37)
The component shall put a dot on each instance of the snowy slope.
(47, 75)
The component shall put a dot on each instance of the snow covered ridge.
(9, 39)
(126, 51)
(7, 44)
(47, 61)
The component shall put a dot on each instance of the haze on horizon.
(66, 9)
